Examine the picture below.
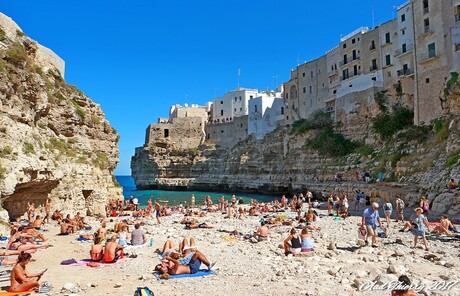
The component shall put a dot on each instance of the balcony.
(349, 61)
(405, 72)
(332, 73)
(342, 78)
(402, 51)
(372, 47)
(426, 10)
(427, 31)
(428, 56)
(373, 68)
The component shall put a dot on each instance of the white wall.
(268, 113)
(360, 83)
(233, 104)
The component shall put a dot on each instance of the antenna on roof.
(239, 73)
(298, 59)
(373, 17)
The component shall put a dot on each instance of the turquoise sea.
(177, 197)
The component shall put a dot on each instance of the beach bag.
(362, 233)
(425, 207)
(143, 291)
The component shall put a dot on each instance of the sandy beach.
(245, 268)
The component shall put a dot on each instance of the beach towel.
(86, 262)
(200, 273)
(129, 247)
(5, 293)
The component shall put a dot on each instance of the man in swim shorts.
(113, 251)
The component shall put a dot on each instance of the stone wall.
(185, 133)
(228, 134)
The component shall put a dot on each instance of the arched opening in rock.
(34, 192)
(89, 202)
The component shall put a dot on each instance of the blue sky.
(137, 58)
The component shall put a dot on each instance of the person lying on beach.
(113, 251)
(35, 234)
(193, 225)
(97, 250)
(22, 242)
(21, 279)
(173, 267)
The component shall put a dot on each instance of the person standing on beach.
(157, 212)
(417, 227)
(399, 208)
(192, 201)
(47, 210)
(370, 220)
(135, 203)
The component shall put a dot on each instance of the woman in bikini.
(19, 241)
(97, 250)
(21, 279)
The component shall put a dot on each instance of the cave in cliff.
(34, 192)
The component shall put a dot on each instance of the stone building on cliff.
(410, 56)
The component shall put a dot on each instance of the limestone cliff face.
(281, 163)
(55, 141)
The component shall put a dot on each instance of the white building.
(264, 112)
(233, 104)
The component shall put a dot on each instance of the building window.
(255, 108)
(303, 74)
(425, 7)
(404, 48)
(354, 54)
(236, 99)
(372, 45)
(251, 97)
(287, 117)
(403, 17)
(166, 133)
(431, 50)
(334, 91)
(311, 74)
(387, 38)
(221, 112)
(282, 110)
(389, 74)
(403, 32)
(457, 13)
(311, 103)
(374, 65)
(426, 25)
(427, 80)
(240, 98)
(222, 131)
(345, 74)
(221, 102)
(353, 41)
(323, 84)
(310, 89)
(234, 110)
(345, 60)
(304, 89)
(388, 60)
(344, 45)
(241, 109)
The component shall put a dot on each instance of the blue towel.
(201, 272)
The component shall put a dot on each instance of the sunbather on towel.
(113, 251)
(173, 267)
(446, 227)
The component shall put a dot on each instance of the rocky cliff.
(55, 141)
(416, 161)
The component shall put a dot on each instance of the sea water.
(181, 197)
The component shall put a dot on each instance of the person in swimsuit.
(292, 244)
(157, 212)
(47, 210)
(113, 251)
(173, 266)
(38, 223)
(18, 241)
(123, 236)
(97, 250)
(262, 232)
(306, 241)
(21, 279)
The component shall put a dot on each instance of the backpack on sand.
(143, 291)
